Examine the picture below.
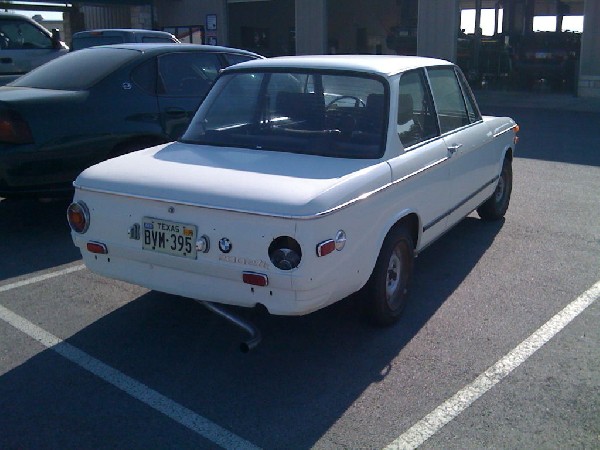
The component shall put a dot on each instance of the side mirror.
(56, 38)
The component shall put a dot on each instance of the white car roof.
(385, 65)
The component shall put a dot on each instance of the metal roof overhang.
(57, 4)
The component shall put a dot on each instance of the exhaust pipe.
(255, 336)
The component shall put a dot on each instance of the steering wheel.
(357, 101)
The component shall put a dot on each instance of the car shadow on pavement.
(553, 135)
(35, 236)
(287, 393)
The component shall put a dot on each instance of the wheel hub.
(393, 276)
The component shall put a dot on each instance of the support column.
(311, 27)
(589, 71)
(437, 29)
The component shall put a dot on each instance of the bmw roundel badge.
(225, 245)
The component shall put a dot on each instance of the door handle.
(453, 148)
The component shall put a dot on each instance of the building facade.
(515, 56)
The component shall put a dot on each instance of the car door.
(421, 171)
(467, 139)
(184, 78)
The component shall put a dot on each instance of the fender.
(392, 222)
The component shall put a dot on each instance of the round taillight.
(285, 253)
(78, 217)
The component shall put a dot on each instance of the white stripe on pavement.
(451, 408)
(135, 389)
(47, 276)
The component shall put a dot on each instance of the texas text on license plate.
(172, 238)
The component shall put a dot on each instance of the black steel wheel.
(495, 207)
(387, 289)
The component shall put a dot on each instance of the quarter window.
(144, 76)
(187, 74)
(474, 114)
(416, 115)
(449, 101)
(235, 58)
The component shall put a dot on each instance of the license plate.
(172, 238)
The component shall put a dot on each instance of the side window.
(233, 58)
(416, 116)
(18, 35)
(144, 76)
(449, 101)
(474, 114)
(187, 74)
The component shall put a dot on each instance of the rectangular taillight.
(256, 279)
(97, 247)
(325, 247)
(14, 129)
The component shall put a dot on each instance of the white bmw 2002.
(300, 180)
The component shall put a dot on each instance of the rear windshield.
(92, 41)
(78, 70)
(329, 114)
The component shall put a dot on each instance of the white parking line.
(47, 276)
(447, 411)
(135, 389)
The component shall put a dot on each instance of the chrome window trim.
(500, 133)
(442, 136)
(467, 93)
(459, 204)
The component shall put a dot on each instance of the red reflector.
(325, 247)
(257, 279)
(97, 247)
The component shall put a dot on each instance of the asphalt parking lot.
(497, 349)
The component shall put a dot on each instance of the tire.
(495, 207)
(387, 290)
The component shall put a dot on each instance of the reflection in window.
(416, 116)
(90, 64)
(187, 74)
(448, 97)
(334, 115)
(472, 109)
(17, 35)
